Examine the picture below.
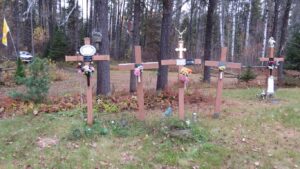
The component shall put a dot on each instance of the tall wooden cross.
(87, 60)
(221, 65)
(180, 62)
(272, 64)
(138, 68)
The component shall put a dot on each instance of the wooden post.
(140, 91)
(89, 95)
(222, 65)
(180, 62)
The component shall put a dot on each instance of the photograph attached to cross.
(138, 68)
(222, 65)
(88, 55)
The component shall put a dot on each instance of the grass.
(248, 132)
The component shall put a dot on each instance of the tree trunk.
(275, 21)
(162, 77)
(103, 70)
(178, 13)
(190, 28)
(208, 37)
(282, 41)
(199, 34)
(135, 40)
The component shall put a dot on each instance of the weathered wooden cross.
(272, 64)
(138, 68)
(221, 65)
(180, 62)
(87, 56)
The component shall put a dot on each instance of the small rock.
(296, 166)
(243, 140)
(94, 145)
(35, 112)
(256, 163)
(2, 109)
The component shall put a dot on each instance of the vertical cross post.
(87, 60)
(180, 62)
(138, 68)
(221, 65)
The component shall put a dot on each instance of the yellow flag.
(5, 32)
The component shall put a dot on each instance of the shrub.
(37, 83)
(247, 75)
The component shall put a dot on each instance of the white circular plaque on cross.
(87, 50)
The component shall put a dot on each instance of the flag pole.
(13, 44)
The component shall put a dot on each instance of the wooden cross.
(222, 65)
(180, 49)
(180, 63)
(271, 65)
(139, 66)
(89, 91)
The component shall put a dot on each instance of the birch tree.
(234, 11)
(221, 18)
(266, 17)
(248, 24)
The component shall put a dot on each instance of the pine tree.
(37, 83)
(58, 47)
(293, 52)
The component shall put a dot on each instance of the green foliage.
(37, 83)
(293, 52)
(20, 71)
(289, 116)
(247, 75)
(107, 106)
(58, 46)
(198, 134)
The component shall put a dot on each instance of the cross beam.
(222, 65)
(132, 66)
(89, 95)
